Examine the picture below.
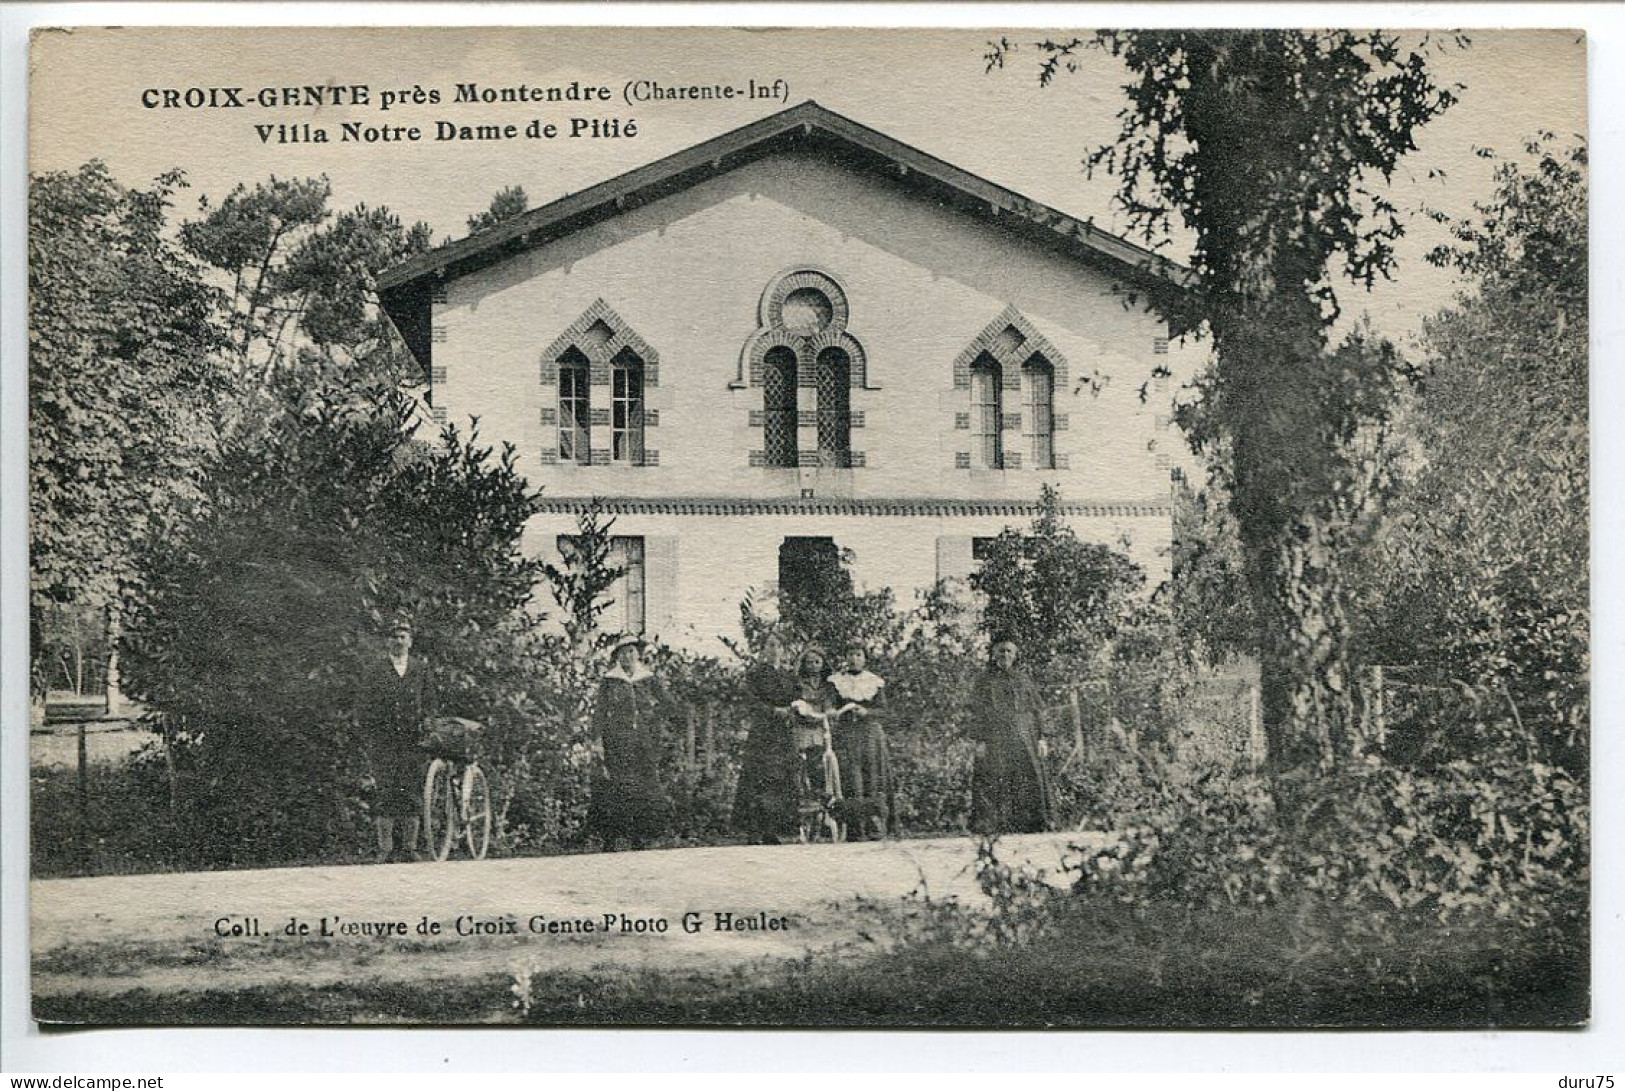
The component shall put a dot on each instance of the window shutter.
(660, 584)
(954, 560)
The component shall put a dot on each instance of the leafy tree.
(1059, 598)
(1207, 595)
(582, 584)
(301, 283)
(253, 621)
(508, 203)
(121, 379)
(1269, 146)
(1481, 572)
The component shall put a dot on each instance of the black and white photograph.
(867, 528)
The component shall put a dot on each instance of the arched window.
(575, 408)
(1010, 355)
(626, 408)
(603, 374)
(987, 412)
(779, 406)
(807, 364)
(1038, 378)
(834, 409)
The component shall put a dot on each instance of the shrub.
(253, 621)
(1499, 837)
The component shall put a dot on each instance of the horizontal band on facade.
(926, 507)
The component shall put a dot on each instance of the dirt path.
(162, 932)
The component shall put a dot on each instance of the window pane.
(626, 408)
(575, 412)
(779, 406)
(834, 408)
(987, 411)
(629, 591)
(1039, 379)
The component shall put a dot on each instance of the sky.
(928, 88)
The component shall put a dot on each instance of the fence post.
(1255, 724)
(710, 737)
(84, 789)
(169, 766)
(1379, 710)
(1076, 709)
(688, 744)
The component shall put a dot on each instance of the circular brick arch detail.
(771, 333)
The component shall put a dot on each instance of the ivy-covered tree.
(1270, 147)
(253, 619)
(122, 379)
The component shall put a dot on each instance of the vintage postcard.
(671, 527)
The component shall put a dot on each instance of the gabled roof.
(407, 289)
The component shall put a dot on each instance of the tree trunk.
(1307, 702)
(1286, 471)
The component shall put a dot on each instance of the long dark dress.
(860, 744)
(628, 801)
(768, 795)
(393, 709)
(1010, 790)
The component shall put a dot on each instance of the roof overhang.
(408, 289)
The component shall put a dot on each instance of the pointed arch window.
(987, 412)
(575, 407)
(601, 373)
(1038, 381)
(1010, 360)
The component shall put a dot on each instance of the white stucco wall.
(687, 273)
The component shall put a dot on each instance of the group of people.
(782, 767)
(795, 715)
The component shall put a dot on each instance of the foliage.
(121, 380)
(256, 617)
(581, 585)
(1059, 598)
(301, 294)
(1499, 835)
(1480, 574)
(1207, 594)
(510, 201)
(821, 606)
(1270, 146)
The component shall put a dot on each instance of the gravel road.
(670, 909)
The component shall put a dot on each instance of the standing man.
(395, 702)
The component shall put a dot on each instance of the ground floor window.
(628, 595)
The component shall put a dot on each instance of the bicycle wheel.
(476, 811)
(833, 824)
(439, 808)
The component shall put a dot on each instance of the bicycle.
(456, 792)
(820, 811)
